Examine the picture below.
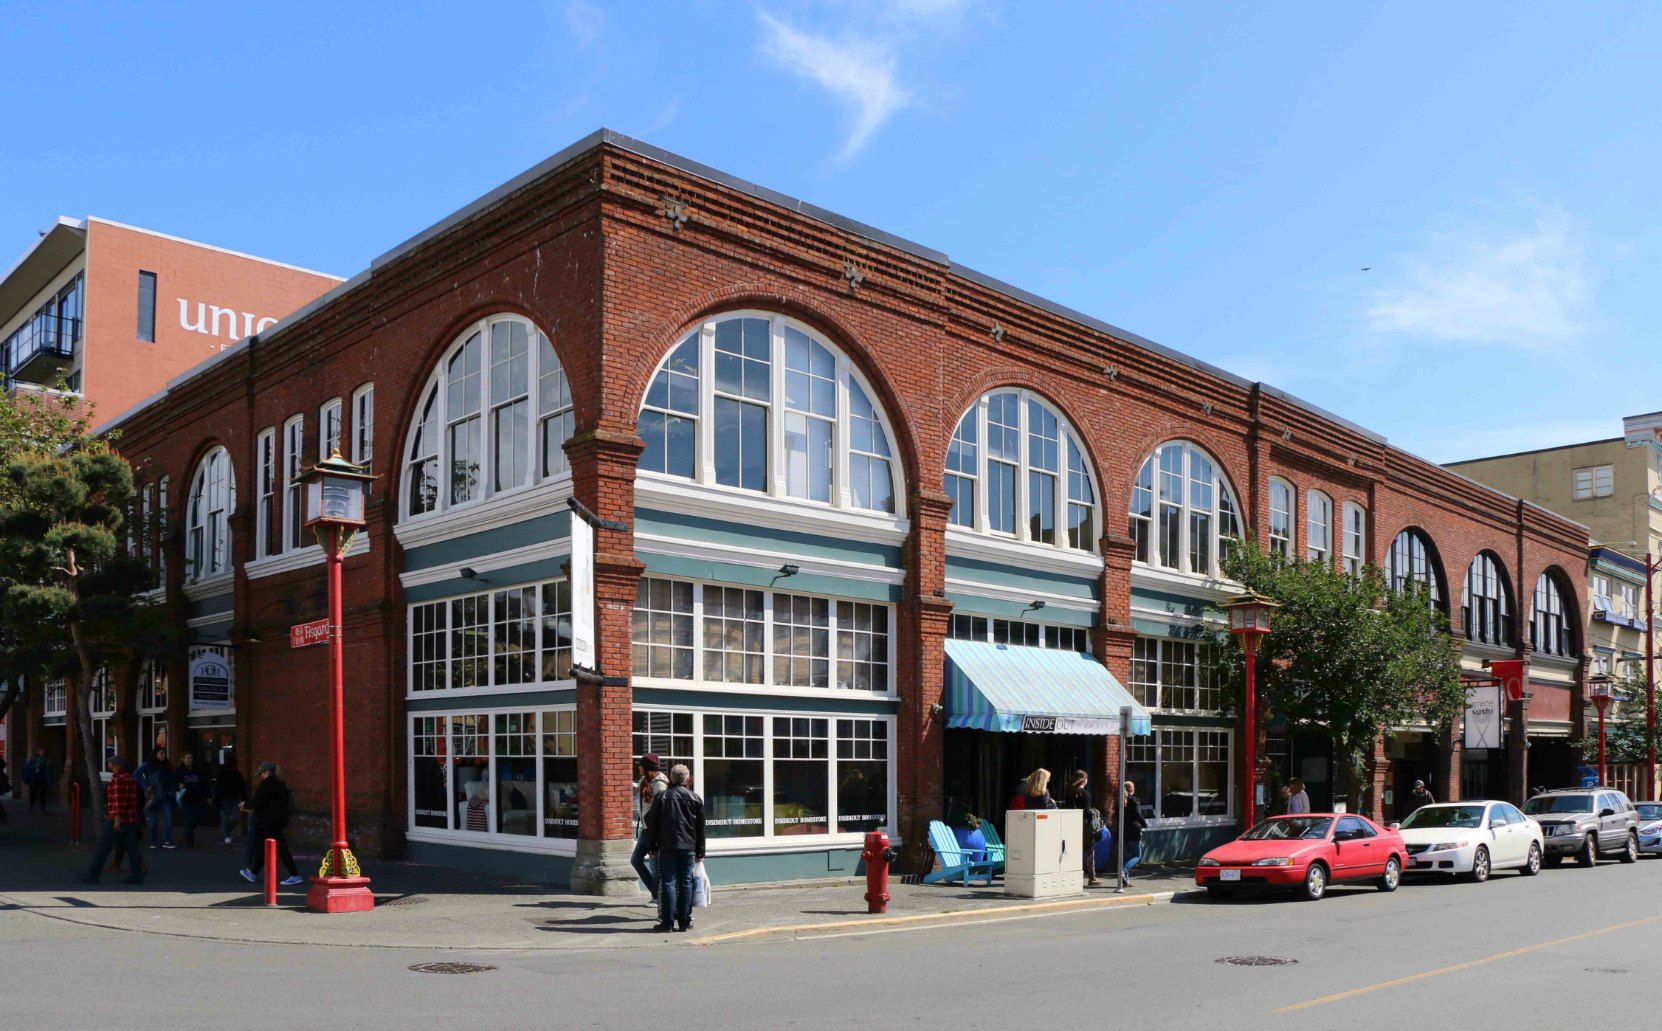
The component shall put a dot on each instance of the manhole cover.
(451, 968)
(1608, 970)
(1256, 961)
(405, 900)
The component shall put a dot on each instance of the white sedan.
(1650, 827)
(1472, 839)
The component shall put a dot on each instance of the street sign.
(1511, 673)
(304, 635)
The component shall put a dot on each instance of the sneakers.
(227, 839)
(169, 844)
(248, 875)
(291, 881)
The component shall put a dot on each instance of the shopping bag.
(701, 887)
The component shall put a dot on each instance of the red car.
(1306, 852)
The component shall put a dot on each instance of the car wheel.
(1630, 853)
(1315, 883)
(1532, 865)
(1589, 854)
(1480, 865)
(1392, 876)
(1218, 891)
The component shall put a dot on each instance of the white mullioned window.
(1486, 603)
(54, 697)
(294, 467)
(497, 400)
(265, 511)
(1283, 513)
(1411, 561)
(1601, 592)
(1182, 772)
(760, 402)
(213, 496)
(1015, 468)
(1354, 533)
(1318, 530)
(1549, 631)
(329, 426)
(485, 776)
(1172, 675)
(1629, 600)
(363, 427)
(504, 639)
(994, 630)
(1594, 481)
(1183, 511)
(760, 637)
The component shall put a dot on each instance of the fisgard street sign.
(304, 635)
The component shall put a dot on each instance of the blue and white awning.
(1013, 689)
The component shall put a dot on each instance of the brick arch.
(803, 307)
(1434, 553)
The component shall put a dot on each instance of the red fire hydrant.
(877, 855)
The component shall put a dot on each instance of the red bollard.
(271, 871)
(876, 855)
(74, 814)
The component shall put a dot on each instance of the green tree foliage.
(1626, 739)
(1346, 653)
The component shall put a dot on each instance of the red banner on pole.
(304, 635)
(1513, 674)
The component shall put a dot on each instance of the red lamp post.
(1599, 686)
(335, 495)
(1249, 619)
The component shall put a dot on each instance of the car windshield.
(1445, 816)
(1650, 812)
(1559, 804)
(1288, 827)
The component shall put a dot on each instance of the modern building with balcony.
(110, 313)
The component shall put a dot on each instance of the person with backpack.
(1079, 797)
(269, 812)
(651, 784)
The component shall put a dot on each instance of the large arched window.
(1283, 512)
(760, 402)
(1549, 631)
(495, 418)
(1183, 511)
(213, 494)
(1413, 560)
(1318, 533)
(1014, 468)
(1486, 603)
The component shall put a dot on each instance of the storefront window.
(430, 775)
(470, 641)
(801, 781)
(559, 774)
(663, 632)
(801, 641)
(495, 769)
(488, 640)
(1176, 676)
(470, 793)
(733, 641)
(514, 636)
(1181, 772)
(556, 630)
(862, 646)
(862, 775)
(515, 761)
(732, 783)
(56, 698)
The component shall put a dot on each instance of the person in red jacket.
(121, 822)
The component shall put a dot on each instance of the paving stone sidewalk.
(197, 893)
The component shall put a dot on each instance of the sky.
(1440, 221)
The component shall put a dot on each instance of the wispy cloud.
(1520, 288)
(861, 74)
(585, 21)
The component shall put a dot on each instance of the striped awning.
(1014, 689)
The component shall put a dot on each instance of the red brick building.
(865, 489)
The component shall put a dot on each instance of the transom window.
(1014, 468)
(1283, 509)
(759, 402)
(1549, 631)
(505, 638)
(494, 419)
(1486, 602)
(213, 495)
(1411, 559)
(993, 630)
(1183, 511)
(1318, 533)
(1174, 675)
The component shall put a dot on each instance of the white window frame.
(1318, 533)
(1602, 598)
(1045, 635)
(294, 465)
(1152, 793)
(265, 483)
(1592, 481)
(1067, 437)
(363, 427)
(1354, 533)
(54, 700)
(1221, 488)
(213, 524)
(489, 656)
(1630, 600)
(330, 427)
(1208, 659)
(1283, 499)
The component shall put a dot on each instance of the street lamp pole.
(1249, 619)
(1650, 676)
(1600, 684)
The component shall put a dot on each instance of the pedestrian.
(269, 818)
(651, 784)
(1036, 790)
(1298, 801)
(676, 825)
(1135, 824)
(1417, 798)
(155, 778)
(193, 795)
(121, 823)
(230, 792)
(1284, 797)
(1079, 797)
(37, 777)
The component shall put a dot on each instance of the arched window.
(494, 418)
(213, 494)
(760, 402)
(1318, 534)
(1182, 510)
(1354, 534)
(1017, 484)
(1412, 559)
(1549, 631)
(1486, 603)
(1283, 512)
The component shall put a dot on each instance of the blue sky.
(1210, 175)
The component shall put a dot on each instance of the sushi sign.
(1482, 717)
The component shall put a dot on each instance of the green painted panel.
(671, 698)
(530, 866)
(748, 535)
(733, 573)
(1163, 601)
(1000, 575)
(528, 700)
(976, 605)
(219, 603)
(1171, 628)
(791, 866)
(526, 572)
(1183, 844)
(535, 530)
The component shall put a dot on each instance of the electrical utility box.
(1042, 857)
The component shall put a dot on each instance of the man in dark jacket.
(676, 825)
(269, 818)
(1418, 797)
(193, 795)
(155, 778)
(37, 776)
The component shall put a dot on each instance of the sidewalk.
(196, 893)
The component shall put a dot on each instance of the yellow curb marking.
(1469, 964)
(961, 915)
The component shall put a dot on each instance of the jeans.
(1090, 855)
(641, 860)
(230, 818)
(1133, 852)
(127, 836)
(161, 820)
(675, 890)
(192, 812)
(38, 795)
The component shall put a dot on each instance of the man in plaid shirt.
(121, 822)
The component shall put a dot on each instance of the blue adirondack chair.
(995, 846)
(956, 861)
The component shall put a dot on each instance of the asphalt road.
(1570, 946)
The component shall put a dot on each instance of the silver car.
(1586, 823)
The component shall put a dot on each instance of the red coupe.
(1306, 853)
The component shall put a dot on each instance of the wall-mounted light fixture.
(469, 573)
(788, 569)
(1033, 606)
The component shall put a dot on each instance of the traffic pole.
(271, 871)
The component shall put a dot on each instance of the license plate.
(1229, 875)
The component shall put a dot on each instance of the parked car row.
(1310, 851)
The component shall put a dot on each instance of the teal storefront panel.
(524, 573)
(976, 605)
(997, 574)
(753, 576)
(219, 604)
(482, 702)
(1176, 604)
(539, 868)
(747, 535)
(458, 550)
(1184, 844)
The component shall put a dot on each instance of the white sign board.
(210, 684)
(582, 593)
(1482, 717)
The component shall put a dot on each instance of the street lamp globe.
(1249, 615)
(336, 491)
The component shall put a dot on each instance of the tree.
(1347, 653)
(1627, 733)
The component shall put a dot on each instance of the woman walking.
(1079, 797)
(1135, 824)
(1036, 790)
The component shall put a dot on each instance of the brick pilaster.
(925, 616)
